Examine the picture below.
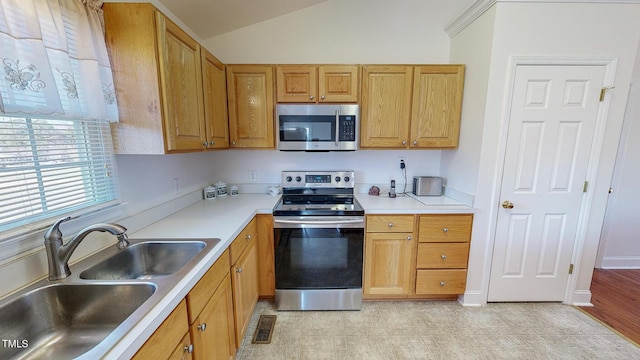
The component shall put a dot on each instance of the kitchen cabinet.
(389, 253)
(171, 92)
(244, 272)
(414, 107)
(266, 257)
(251, 106)
(214, 85)
(210, 310)
(170, 340)
(443, 253)
(317, 83)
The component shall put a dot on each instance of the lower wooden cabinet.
(389, 248)
(184, 350)
(245, 289)
(168, 338)
(213, 331)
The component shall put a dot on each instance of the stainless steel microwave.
(317, 127)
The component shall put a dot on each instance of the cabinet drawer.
(441, 256)
(442, 282)
(445, 228)
(204, 289)
(242, 240)
(390, 223)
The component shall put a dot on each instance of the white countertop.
(225, 218)
(411, 204)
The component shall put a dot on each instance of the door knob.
(507, 204)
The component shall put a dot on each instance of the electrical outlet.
(402, 165)
(253, 175)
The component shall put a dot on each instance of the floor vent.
(264, 329)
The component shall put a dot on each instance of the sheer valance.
(54, 60)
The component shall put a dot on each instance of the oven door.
(318, 262)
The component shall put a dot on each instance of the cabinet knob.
(390, 224)
(211, 143)
(415, 142)
(205, 144)
(311, 97)
(445, 230)
(322, 97)
(443, 257)
(233, 143)
(408, 238)
(188, 348)
(442, 283)
(239, 270)
(202, 327)
(248, 237)
(404, 142)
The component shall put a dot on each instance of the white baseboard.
(472, 298)
(621, 262)
(581, 298)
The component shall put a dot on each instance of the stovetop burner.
(316, 193)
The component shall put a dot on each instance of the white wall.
(550, 29)
(343, 32)
(620, 245)
(372, 167)
(471, 47)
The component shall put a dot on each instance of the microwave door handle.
(337, 128)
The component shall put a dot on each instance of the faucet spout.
(58, 254)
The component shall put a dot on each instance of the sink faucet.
(58, 254)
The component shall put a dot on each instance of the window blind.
(49, 167)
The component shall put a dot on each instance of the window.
(49, 167)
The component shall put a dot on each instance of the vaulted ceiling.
(208, 18)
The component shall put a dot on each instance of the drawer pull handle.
(443, 257)
(202, 327)
(445, 229)
(188, 348)
(390, 224)
(442, 283)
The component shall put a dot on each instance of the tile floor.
(437, 330)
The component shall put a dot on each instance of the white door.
(553, 117)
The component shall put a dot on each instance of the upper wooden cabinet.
(161, 75)
(317, 84)
(214, 85)
(251, 106)
(411, 106)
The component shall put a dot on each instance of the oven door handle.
(320, 223)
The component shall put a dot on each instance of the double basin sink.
(86, 314)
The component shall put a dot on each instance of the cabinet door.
(388, 266)
(213, 331)
(296, 83)
(245, 289)
(162, 343)
(181, 79)
(250, 97)
(214, 86)
(266, 257)
(437, 105)
(184, 350)
(338, 83)
(386, 106)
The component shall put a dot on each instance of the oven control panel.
(318, 179)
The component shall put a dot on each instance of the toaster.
(427, 185)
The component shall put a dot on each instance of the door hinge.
(603, 91)
(570, 269)
(585, 187)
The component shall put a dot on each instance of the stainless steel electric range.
(319, 242)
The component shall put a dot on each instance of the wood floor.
(615, 295)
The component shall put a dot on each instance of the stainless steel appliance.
(319, 242)
(317, 127)
(427, 185)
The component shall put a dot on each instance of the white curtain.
(54, 60)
